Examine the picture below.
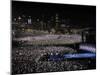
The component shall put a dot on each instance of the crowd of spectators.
(27, 60)
(30, 53)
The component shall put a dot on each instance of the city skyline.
(77, 14)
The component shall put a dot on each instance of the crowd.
(27, 60)
(30, 54)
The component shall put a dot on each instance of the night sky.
(78, 14)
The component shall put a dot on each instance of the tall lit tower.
(19, 20)
(56, 21)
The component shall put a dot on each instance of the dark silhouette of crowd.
(35, 59)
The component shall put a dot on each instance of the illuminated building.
(29, 20)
